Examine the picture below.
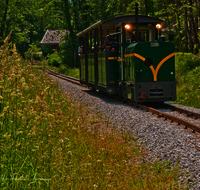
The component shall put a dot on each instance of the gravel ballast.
(164, 140)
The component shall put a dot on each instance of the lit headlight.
(158, 26)
(127, 26)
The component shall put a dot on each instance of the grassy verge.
(73, 72)
(49, 141)
(188, 79)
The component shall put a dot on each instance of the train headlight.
(158, 26)
(127, 27)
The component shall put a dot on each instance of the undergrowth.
(188, 79)
(48, 141)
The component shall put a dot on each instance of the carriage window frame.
(130, 34)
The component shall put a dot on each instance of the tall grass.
(49, 141)
(188, 79)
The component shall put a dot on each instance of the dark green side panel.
(159, 53)
(91, 72)
(113, 67)
(83, 67)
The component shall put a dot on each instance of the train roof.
(121, 19)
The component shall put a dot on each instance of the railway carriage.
(127, 56)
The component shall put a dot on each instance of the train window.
(145, 34)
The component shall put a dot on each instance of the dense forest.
(29, 19)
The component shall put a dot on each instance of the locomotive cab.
(135, 63)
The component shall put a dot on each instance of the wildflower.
(61, 140)
(2, 115)
(70, 153)
(60, 132)
(5, 109)
(59, 149)
(37, 100)
(19, 132)
(95, 185)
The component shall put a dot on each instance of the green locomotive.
(126, 56)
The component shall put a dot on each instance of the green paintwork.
(91, 73)
(135, 68)
(82, 67)
(113, 69)
(101, 68)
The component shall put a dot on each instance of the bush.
(188, 80)
(69, 52)
(189, 89)
(54, 59)
(34, 53)
(186, 62)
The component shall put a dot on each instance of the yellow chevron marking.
(129, 55)
(120, 59)
(140, 57)
(112, 57)
(154, 71)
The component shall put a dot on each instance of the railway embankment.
(188, 79)
(165, 141)
(49, 140)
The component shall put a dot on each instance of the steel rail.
(180, 110)
(68, 78)
(167, 116)
(159, 114)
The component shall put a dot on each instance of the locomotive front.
(149, 67)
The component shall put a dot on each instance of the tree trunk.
(69, 26)
(192, 25)
(187, 35)
(152, 8)
(126, 4)
(76, 15)
(3, 24)
(168, 20)
(121, 7)
(196, 20)
(179, 25)
(146, 8)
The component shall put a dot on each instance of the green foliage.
(188, 80)
(54, 59)
(69, 51)
(34, 53)
(46, 49)
(185, 63)
(49, 141)
(196, 49)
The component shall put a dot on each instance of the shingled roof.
(53, 37)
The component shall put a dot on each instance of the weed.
(188, 80)
(49, 141)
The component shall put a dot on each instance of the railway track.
(64, 77)
(160, 114)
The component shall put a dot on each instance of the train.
(128, 56)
